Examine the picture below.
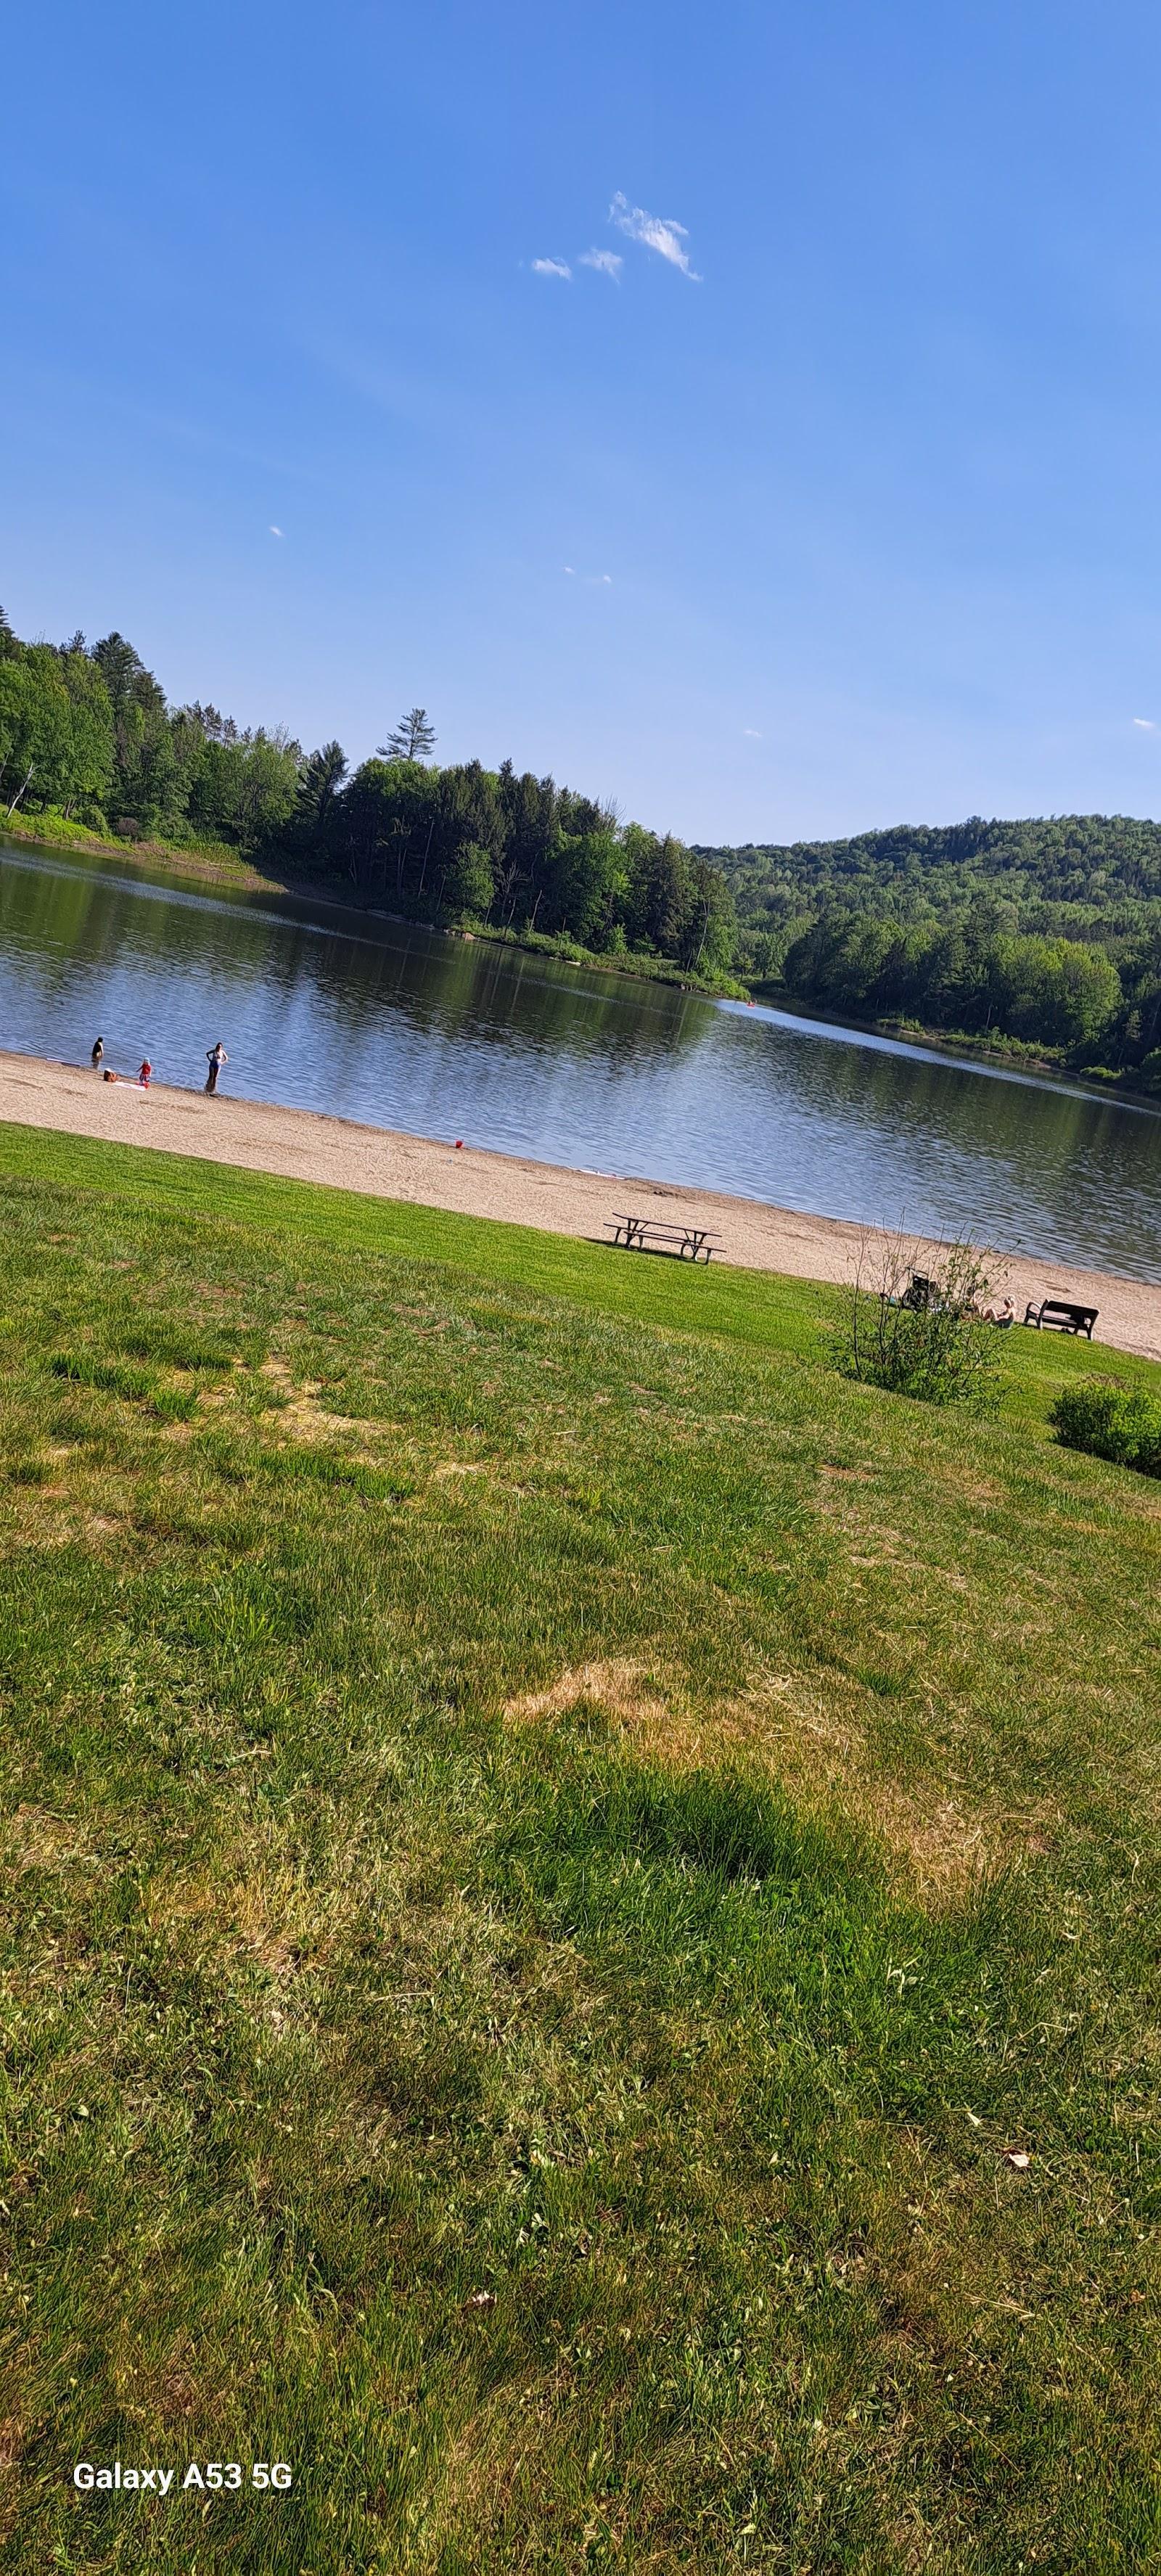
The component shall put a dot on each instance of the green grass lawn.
(554, 1847)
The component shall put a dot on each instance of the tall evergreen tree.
(413, 739)
(320, 780)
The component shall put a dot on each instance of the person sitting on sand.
(216, 1057)
(143, 1076)
(98, 1052)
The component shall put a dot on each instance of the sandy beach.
(304, 1145)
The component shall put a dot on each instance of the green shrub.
(1109, 1420)
(914, 1323)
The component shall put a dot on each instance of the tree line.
(86, 732)
(1095, 867)
(972, 975)
(1045, 932)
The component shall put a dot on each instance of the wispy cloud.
(1146, 724)
(551, 268)
(751, 733)
(595, 580)
(608, 262)
(275, 532)
(657, 232)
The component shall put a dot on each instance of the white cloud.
(551, 268)
(595, 580)
(570, 568)
(608, 262)
(751, 733)
(1146, 724)
(275, 532)
(657, 232)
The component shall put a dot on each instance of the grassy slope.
(564, 2116)
(214, 861)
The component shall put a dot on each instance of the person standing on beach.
(216, 1057)
(98, 1053)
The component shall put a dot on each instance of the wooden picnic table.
(652, 1234)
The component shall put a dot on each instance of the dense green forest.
(87, 733)
(1046, 934)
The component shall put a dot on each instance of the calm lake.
(404, 1028)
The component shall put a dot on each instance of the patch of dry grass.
(815, 1738)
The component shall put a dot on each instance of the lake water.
(401, 1027)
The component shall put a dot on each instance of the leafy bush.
(915, 1326)
(1109, 1420)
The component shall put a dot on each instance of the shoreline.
(960, 1047)
(213, 864)
(472, 1180)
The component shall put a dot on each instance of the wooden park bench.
(1058, 1314)
(680, 1242)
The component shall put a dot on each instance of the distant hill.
(1045, 933)
(1099, 866)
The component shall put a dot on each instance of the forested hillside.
(1043, 933)
(86, 734)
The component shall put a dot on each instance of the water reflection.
(402, 1027)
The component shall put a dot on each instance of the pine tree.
(412, 739)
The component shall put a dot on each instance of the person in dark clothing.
(98, 1053)
(216, 1057)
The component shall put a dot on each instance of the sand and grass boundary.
(302, 1144)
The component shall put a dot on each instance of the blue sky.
(856, 474)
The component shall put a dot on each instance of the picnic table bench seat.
(682, 1242)
(1061, 1315)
